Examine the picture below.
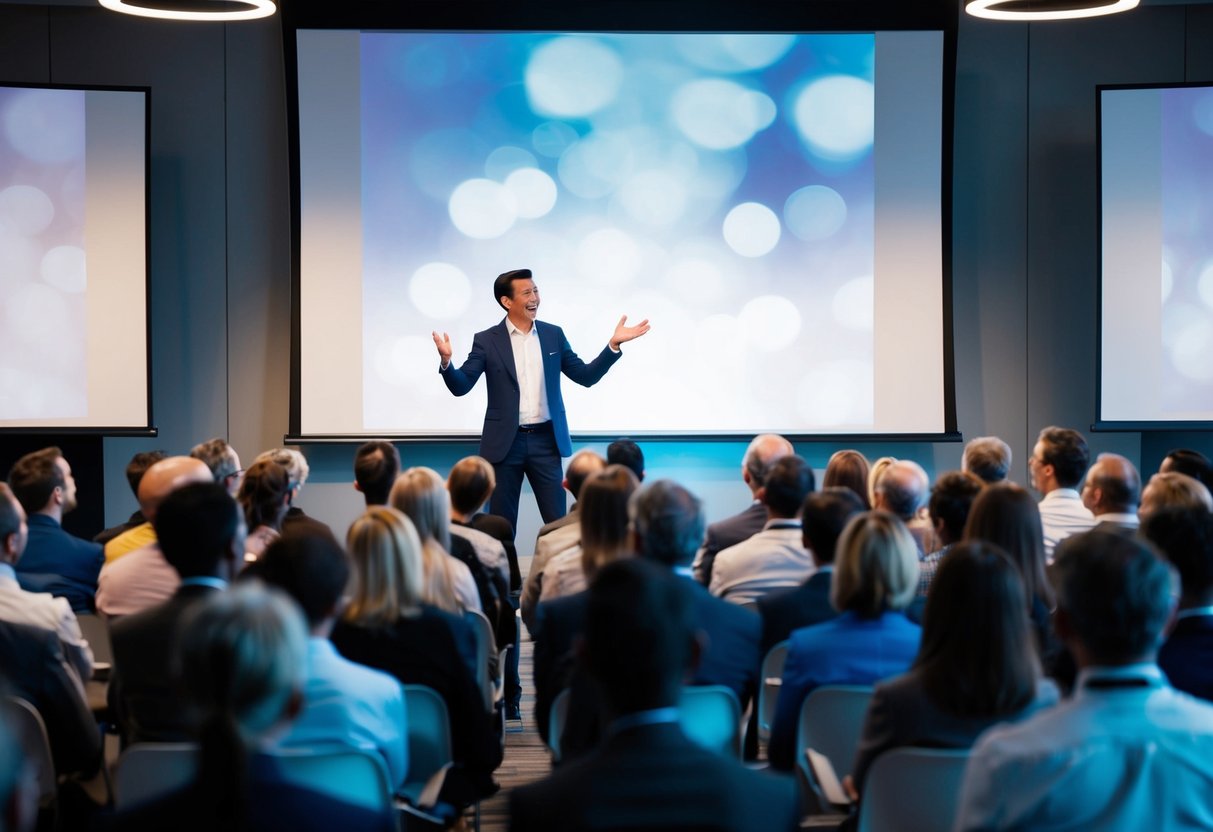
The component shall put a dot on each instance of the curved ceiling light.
(1026, 10)
(169, 10)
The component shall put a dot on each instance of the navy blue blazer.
(59, 563)
(492, 354)
(802, 606)
(1187, 656)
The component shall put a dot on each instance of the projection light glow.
(992, 10)
(252, 10)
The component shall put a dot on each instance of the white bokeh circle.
(654, 198)
(25, 209)
(770, 323)
(854, 304)
(440, 291)
(815, 212)
(836, 116)
(751, 229)
(482, 209)
(1204, 287)
(837, 394)
(505, 160)
(609, 257)
(1192, 351)
(719, 114)
(66, 268)
(595, 166)
(572, 76)
(46, 126)
(533, 190)
(405, 361)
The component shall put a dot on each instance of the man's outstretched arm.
(587, 374)
(459, 380)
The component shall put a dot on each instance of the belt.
(535, 428)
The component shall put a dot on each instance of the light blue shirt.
(1109, 758)
(348, 703)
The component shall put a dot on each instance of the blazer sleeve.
(585, 374)
(460, 380)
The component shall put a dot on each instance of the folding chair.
(429, 739)
(485, 654)
(912, 788)
(771, 678)
(344, 773)
(148, 770)
(31, 734)
(831, 721)
(711, 716)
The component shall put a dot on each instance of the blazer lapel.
(505, 350)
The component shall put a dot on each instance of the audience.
(604, 533)
(976, 666)
(54, 561)
(1186, 461)
(264, 497)
(559, 535)
(848, 469)
(1112, 491)
(390, 626)
(823, 517)
(448, 584)
(875, 473)
(243, 658)
(471, 482)
(201, 534)
(135, 580)
(1126, 751)
(1056, 466)
(627, 453)
(988, 458)
(36, 609)
(762, 452)
(135, 469)
(775, 557)
(902, 490)
(1185, 538)
(223, 461)
(297, 470)
(951, 499)
(343, 702)
(376, 466)
(875, 577)
(639, 645)
(1173, 490)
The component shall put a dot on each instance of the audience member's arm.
(796, 686)
(75, 741)
(75, 647)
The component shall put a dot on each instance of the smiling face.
(523, 307)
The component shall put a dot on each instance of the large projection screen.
(73, 259)
(770, 202)
(1156, 276)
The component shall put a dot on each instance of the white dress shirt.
(45, 611)
(775, 558)
(1062, 514)
(528, 363)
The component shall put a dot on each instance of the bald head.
(1173, 490)
(1113, 486)
(763, 451)
(582, 466)
(902, 489)
(165, 477)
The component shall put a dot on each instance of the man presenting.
(525, 428)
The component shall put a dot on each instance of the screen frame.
(603, 16)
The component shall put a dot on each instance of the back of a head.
(903, 487)
(875, 566)
(988, 458)
(376, 466)
(421, 494)
(581, 467)
(977, 656)
(1174, 490)
(1117, 482)
(167, 475)
(603, 516)
(627, 453)
(10, 514)
(137, 467)
(243, 656)
(1006, 515)
(787, 482)
(389, 573)
(312, 569)
(824, 515)
(1185, 538)
(951, 499)
(668, 523)
(199, 530)
(762, 452)
(34, 478)
(294, 462)
(875, 473)
(263, 494)
(470, 484)
(1115, 593)
(638, 635)
(1066, 450)
(218, 456)
(1190, 462)
(848, 469)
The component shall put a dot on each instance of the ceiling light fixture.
(225, 10)
(1026, 10)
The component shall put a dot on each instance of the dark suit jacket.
(143, 694)
(35, 669)
(729, 532)
(653, 777)
(106, 535)
(1187, 656)
(59, 563)
(500, 529)
(802, 606)
(492, 354)
(731, 659)
(435, 649)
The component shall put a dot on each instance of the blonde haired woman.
(389, 625)
(875, 578)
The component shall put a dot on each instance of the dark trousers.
(534, 454)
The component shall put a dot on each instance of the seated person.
(470, 484)
(135, 469)
(244, 659)
(343, 702)
(875, 578)
(387, 626)
(640, 643)
(263, 496)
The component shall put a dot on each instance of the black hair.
(34, 478)
(503, 286)
(626, 452)
(788, 481)
(195, 526)
(824, 515)
(376, 466)
(311, 568)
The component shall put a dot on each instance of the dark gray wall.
(1024, 254)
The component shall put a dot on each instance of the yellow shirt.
(129, 541)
